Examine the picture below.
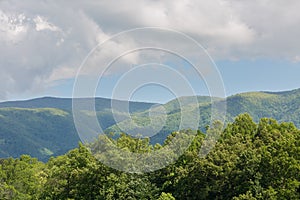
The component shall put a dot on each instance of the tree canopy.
(249, 161)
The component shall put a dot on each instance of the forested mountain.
(251, 161)
(44, 127)
(101, 104)
(282, 106)
(40, 132)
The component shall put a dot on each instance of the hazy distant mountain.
(66, 103)
(44, 127)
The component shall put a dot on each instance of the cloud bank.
(45, 41)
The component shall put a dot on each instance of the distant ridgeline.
(44, 127)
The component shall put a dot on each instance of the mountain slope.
(38, 132)
(101, 104)
(282, 106)
(44, 127)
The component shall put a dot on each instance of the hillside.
(282, 106)
(44, 127)
(101, 104)
(39, 132)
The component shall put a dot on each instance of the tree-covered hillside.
(41, 132)
(282, 106)
(250, 161)
(45, 127)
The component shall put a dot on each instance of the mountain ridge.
(44, 127)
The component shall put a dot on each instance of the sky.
(47, 46)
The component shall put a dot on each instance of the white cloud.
(42, 45)
(12, 26)
(42, 24)
(45, 41)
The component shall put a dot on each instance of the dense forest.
(44, 127)
(249, 161)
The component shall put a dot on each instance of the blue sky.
(42, 47)
(238, 76)
(259, 75)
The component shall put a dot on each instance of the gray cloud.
(45, 41)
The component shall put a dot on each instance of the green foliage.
(78, 175)
(21, 178)
(249, 161)
(166, 196)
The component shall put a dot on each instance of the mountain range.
(44, 127)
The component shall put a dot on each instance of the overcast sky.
(255, 43)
